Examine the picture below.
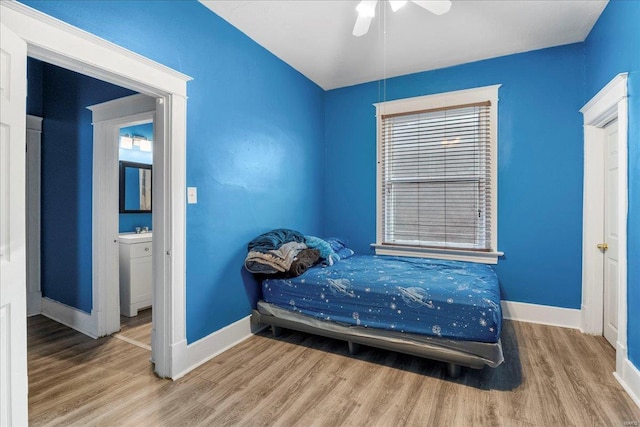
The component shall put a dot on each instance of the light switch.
(192, 195)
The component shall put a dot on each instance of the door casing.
(607, 105)
(61, 44)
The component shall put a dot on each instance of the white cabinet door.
(141, 280)
(13, 306)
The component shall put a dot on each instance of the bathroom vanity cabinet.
(135, 273)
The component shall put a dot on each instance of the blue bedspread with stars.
(451, 299)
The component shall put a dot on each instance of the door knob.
(603, 246)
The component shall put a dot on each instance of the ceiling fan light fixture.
(437, 7)
(367, 11)
(397, 4)
(367, 8)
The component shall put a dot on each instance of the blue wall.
(539, 165)
(255, 133)
(613, 47)
(67, 157)
(129, 221)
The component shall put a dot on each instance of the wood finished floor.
(137, 328)
(551, 376)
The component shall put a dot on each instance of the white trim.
(603, 106)
(440, 100)
(542, 314)
(59, 43)
(608, 104)
(69, 316)
(33, 211)
(629, 379)
(122, 107)
(214, 344)
(56, 42)
(34, 123)
(447, 254)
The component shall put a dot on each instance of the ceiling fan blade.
(362, 25)
(366, 11)
(397, 4)
(438, 7)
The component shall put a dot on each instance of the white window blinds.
(436, 178)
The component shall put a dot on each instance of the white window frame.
(428, 102)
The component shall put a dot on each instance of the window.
(437, 192)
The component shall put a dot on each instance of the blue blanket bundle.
(275, 251)
(274, 239)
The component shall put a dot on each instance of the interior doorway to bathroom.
(135, 175)
(76, 162)
(125, 132)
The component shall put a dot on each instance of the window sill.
(447, 254)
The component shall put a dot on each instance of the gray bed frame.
(431, 348)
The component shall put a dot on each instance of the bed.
(442, 310)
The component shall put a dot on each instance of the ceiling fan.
(367, 10)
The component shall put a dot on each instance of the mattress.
(449, 299)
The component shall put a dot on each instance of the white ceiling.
(314, 36)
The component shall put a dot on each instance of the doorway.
(26, 32)
(126, 134)
(62, 96)
(61, 44)
(604, 236)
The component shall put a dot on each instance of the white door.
(13, 312)
(610, 331)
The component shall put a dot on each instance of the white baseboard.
(70, 316)
(543, 314)
(629, 379)
(189, 357)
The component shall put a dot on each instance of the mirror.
(135, 187)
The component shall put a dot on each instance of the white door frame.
(13, 292)
(34, 138)
(107, 118)
(608, 104)
(61, 44)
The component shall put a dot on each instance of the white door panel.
(13, 322)
(610, 331)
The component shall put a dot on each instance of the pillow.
(326, 253)
(339, 247)
(344, 253)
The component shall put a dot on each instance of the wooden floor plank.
(137, 328)
(551, 376)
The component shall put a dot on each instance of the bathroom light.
(126, 142)
(145, 144)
